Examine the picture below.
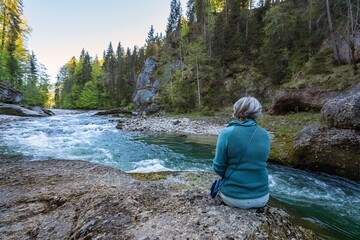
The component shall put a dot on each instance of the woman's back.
(242, 151)
(249, 178)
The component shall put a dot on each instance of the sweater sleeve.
(219, 162)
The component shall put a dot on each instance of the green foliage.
(228, 49)
(17, 66)
(89, 96)
(288, 41)
(320, 63)
(207, 111)
(285, 130)
(174, 17)
(91, 84)
(337, 79)
(178, 94)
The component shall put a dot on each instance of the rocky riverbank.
(170, 125)
(335, 152)
(80, 200)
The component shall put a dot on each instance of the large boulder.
(80, 200)
(330, 150)
(16, 110)
(9, 94)
(343, 111)
(294, 100)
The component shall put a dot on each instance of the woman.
(241, 162)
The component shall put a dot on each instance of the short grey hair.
(247, 107)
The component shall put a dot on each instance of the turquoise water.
(326, 203)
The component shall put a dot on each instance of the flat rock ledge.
(59, 199)
(170, 125)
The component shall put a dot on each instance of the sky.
(62, 28)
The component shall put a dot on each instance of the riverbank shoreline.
(68, 199)
(81, 132)
(171, 125)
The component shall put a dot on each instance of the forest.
(228, 49)
(19, 66)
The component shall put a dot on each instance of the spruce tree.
(173, 25)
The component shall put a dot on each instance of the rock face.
(294, 100)
(146, 86)
(12, 96)
(330, 150)
(334, 149)
(344, 48)
(80, 200)
(16, 110)
(8, 94)
(343, 111)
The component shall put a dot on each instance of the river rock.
(170, 125)
(42, 111)
(295, 100)
(343, 111)
(330, 150)
(9, 94)
(80, 200)
(115, 111)
(16, 110)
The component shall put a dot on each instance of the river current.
(327, 204)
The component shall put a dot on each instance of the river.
(327, 204)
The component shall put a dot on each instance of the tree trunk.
(332, 35)
(226, 13)
(247, 26)
(198, 82)
(209, 20)
(351, 37)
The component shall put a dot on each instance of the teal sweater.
(250, 179)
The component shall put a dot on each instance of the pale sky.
(62, 28)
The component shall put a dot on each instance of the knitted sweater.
(250, 178)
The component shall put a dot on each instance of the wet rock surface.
(334, 149)
(43, 111)
(16, 110)
(80, 200)
(115, 111)
(330, 150)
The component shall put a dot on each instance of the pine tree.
(36, 82)
(68, 85)
(174, 23)
(13, 30)
(108, 78)
(89, 97)
(151, 43)
(119, 72)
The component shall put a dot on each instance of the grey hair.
(247, 107)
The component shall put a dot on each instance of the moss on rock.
(284, 130)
